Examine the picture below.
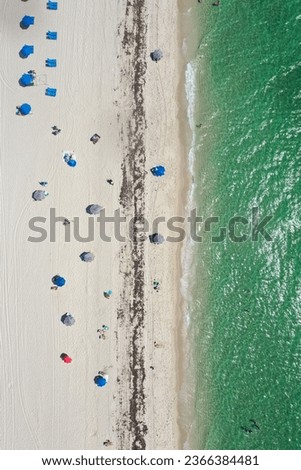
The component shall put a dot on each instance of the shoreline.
(188, 35)
(185, 140)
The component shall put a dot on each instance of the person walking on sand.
(107, 443)
(55, 130)
(103, 328)
(107, 294)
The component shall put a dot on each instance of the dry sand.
(107, 84)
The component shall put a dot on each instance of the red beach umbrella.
(67, 359)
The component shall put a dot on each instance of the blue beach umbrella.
(158, 170)
(58, 281)
(27, 21)
(100, 381)
(72, 163)
(26, 51)
(26, 79)
(25, 109)
(69, 159)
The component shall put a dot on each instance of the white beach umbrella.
(94, 209)
(156, 55)
(156, 238)
(39, 195)
(87, 256)
(68, 319)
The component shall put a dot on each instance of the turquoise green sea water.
(245, 310)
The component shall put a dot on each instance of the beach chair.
(51, 5)
(51, 35)
(95, 138)
(50, 91)
(50, 62)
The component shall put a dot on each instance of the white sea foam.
(188, 249)
(188, 270)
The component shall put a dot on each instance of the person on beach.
(101, 331)
(107, 294)
(66, 222)
(103, 328)
(54, 288)
(111, 182)
(107, 443)
(254, 424)
(55, 130)
(246, 430)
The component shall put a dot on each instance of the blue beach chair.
(51, 35)
(51, 5)
(50, 62)
(50, 91)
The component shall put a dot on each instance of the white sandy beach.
(45, 403)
